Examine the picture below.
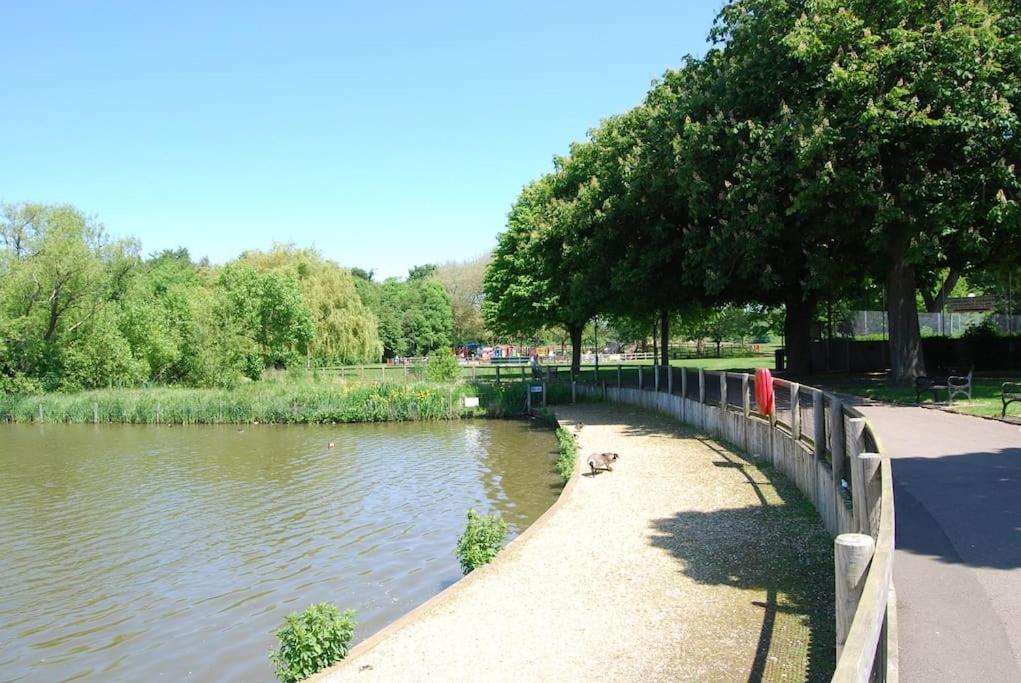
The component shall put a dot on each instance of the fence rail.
(831, 453)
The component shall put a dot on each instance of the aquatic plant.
(568, 453)
(312, 640)
(482, 539)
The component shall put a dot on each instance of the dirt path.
(684, 563)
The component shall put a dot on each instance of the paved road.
(958, 563)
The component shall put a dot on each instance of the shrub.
(481, 541)
(568, 453)
(443, 367)
(985, 329)
(311, 641)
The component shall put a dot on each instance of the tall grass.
(275, 402)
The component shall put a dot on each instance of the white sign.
(536, 388)
(471, 401)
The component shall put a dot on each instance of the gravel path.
(684, 563)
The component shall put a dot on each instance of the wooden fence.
(831, 453)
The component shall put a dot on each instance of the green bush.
(443, 367)
(481, 541)
(568, 453)
(311, 641)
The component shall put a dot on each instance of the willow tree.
(345, 328)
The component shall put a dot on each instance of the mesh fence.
(875, 324)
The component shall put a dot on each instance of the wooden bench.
(1011, 392)
(954, 385)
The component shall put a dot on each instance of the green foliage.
(415, 317)
(984, 329)
(568, 455)
(267, 401)
(482, 539)
(312, 641)
(443, 367)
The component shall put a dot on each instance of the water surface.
(131, 552)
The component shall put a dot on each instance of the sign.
(535, 388)
(471, 401)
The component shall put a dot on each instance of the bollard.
(852, 554)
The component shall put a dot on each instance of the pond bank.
(686, 562)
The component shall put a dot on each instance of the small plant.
(481, 541)
(568, 453)
(443, 367)
(311, 641)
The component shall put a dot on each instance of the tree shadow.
(779, 547)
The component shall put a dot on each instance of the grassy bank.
(277, 401)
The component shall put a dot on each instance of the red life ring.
(764, 391)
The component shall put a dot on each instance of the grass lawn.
(985, 393)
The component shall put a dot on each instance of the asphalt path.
(957, 568)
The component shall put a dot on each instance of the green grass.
(985, 394)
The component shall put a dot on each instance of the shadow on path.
(778, 547)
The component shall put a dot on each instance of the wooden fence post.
(95, 413)
(746, 399)
(655, 384)
(872, 491)
(684, 382)
(497, 374)
(475, 378)
(819, 424)
(852, 554)
(157, 412)
(795, 411)
(40, 413)
(604, 389)
(723, 390)
(855, 428)
(837, 442)
(544, 394)
(574, 395)
(619, 385)
(701, 385)
(639, 377)
(669, 379)
(522, 373)
(382, 373)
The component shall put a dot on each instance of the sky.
(384, 134)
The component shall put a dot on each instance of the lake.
(131, 552)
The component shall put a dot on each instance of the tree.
(463, 284)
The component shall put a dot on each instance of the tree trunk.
(935, 304)
(906, 361)
(664, 336)
(576, 331)
(797, 329)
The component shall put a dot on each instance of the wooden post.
(795, 411)
(382, 373)
(684, 382)
(543, 394)
(522, 373)
(157, 412)
(619, 385)
(872, 491)
(604, 389)
(669, 379)
(746, 398)
(475, 374)
(723, 390)
(655, 369)
(450, 404)
(497, 374)
(574, 395)
(855, 427)
(40, 413)
(95, 413)
(837, 441)
(701, 385)
(639, 377)
(528, 398)
(819, 423)
(852, 554)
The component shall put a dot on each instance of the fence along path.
(833, 456)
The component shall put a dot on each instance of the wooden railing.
(830, 452)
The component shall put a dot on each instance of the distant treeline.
(81, 310)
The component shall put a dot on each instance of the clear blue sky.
(385, 134)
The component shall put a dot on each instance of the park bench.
(1011, 392)
(954, 385)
